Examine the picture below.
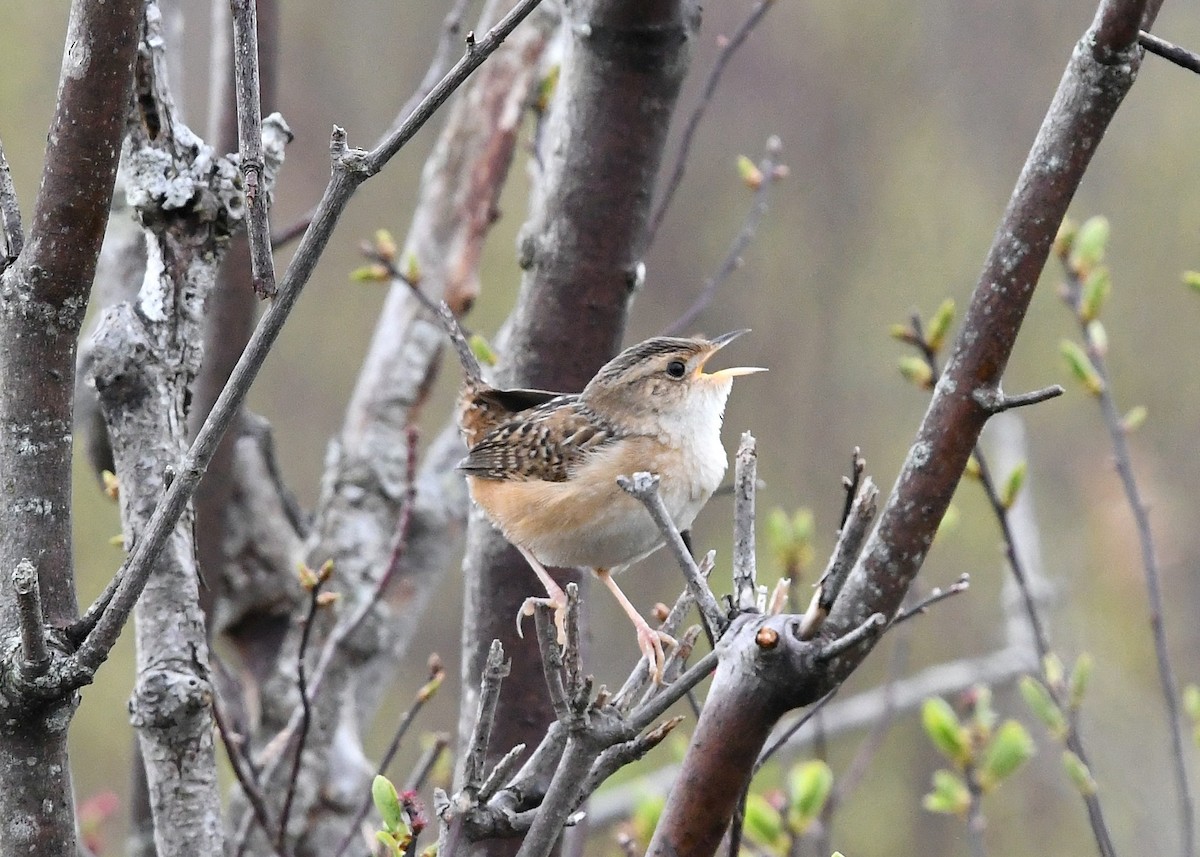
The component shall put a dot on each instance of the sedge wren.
(543, 467)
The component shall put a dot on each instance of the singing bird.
(543, 466)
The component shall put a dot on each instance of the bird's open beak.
(720, 342)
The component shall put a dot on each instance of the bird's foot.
(558, 605)
(651, 642)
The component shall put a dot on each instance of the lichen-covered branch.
(43, 297)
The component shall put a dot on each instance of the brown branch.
(1099, 74)
(250, 149)
(35, 656)
(770, 171)
(764, 670)
(728, 48)
(1169, 684)
(1181, 56)
(11, 234)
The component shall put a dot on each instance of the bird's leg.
(649, 640)
(556, 598)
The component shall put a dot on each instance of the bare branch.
(11, 233)
(237, 761)
(1118, 437)
(868, 630)
(935, 595)
(849, 545)
(494, 673)
(745, 577)
(1098, 76)
(35, 656)
(250, 150)
(728, 49)
(437, 674)
(995, 402)
(644, 487)
(1182, 57)
(769, 171)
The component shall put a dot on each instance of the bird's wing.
(543, 444)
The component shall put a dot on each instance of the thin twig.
(849, 544)
(351, 168)
(781, 742)
(314, 605)
(35, 656)
(1182, 57)
(1073, 740)
(728, 49)
(1124, 463)
(450, 41)
(644, 487)
(495, 669)
(437, 674)
(250, 148)
(858, 466)
(872, 627)
(10, 215)
(997, 402)
(424, 766)
(769, 172)
(936, 594)
(500, 773)
(745, 577)
(254, 795)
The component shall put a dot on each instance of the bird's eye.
(676, 369)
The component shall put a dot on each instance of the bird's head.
(665, 375)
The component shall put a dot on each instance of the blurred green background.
(904, 127)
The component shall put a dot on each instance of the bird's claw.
(651, 643)
(529, 607)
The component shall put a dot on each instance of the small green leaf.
(1097, 336)
(939, 325)
(1133, 420)
(1191, 702)
(482, 350)
(1096, 289)
(983, 715)
(1081, 367)
(1191, 279)
(385, 245)
(1013, 485)
(1081, 677)
(764, 824)
(1090, 245)
(1053, 669)
(947, 734)
(901, 332)
(1043, 706)
(1079, 774)
(370, 274)
(392, 843)
(412, 269)
(949, 795)
(1065, 238)
(546, 87)
(1011, 748)
(1191, 706)
(387, 803)
(916, 371)
(809, 786)
(749, 173)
